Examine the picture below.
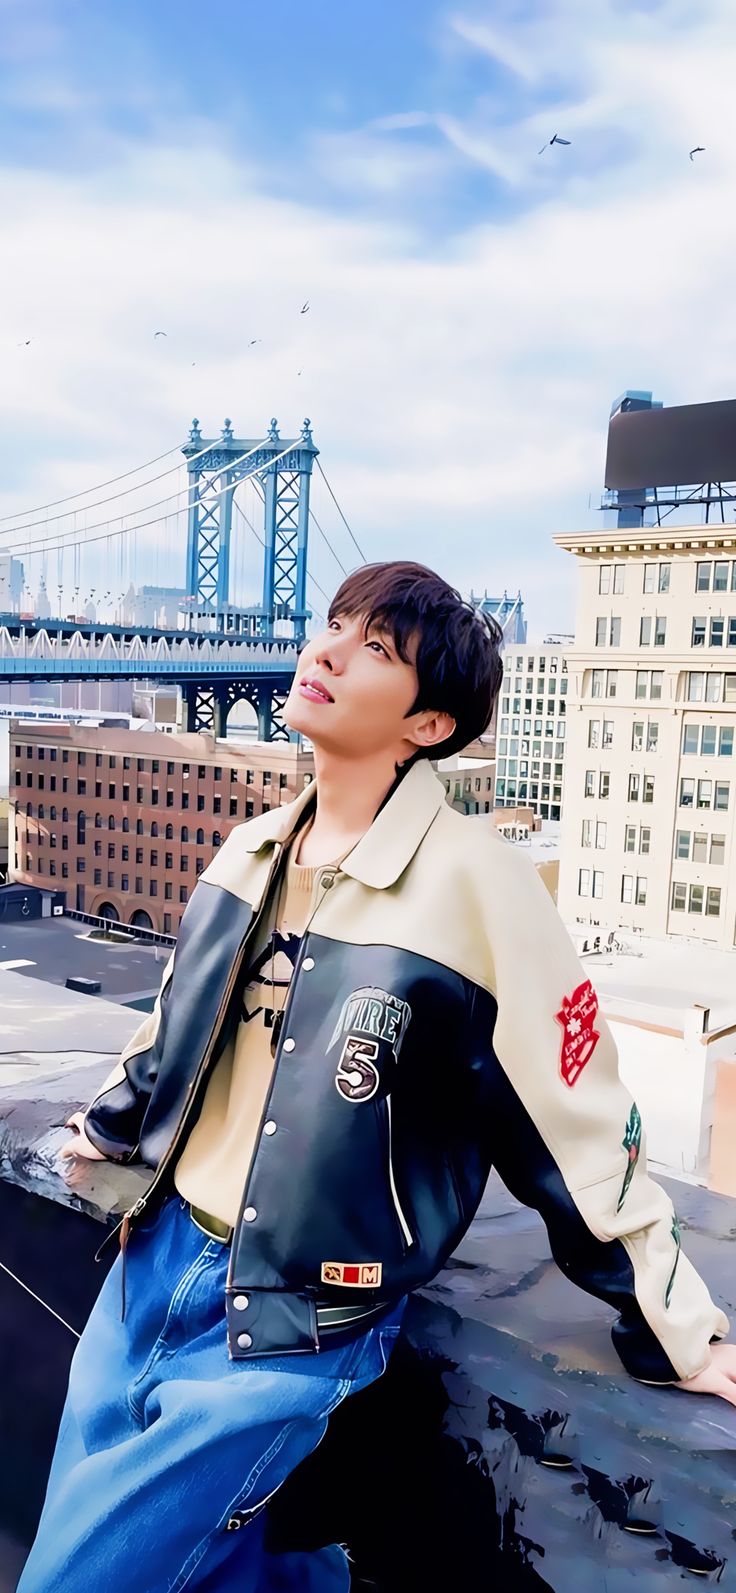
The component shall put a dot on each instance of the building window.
(641, 683)
(627, 888)
(637, 736)
(615, 639)
(713, 900)
(608, 732)
(679, 896)
(729, 694)
(634, 782)
(604, 580)
(611, 679)
(183, 893)
(645, 838)
(700, 847)
(687, 793)
(590, 782)
(716, 632)
(630, 838)
(717, 849)
(618, 579)
(664, 577)
(655, 691)
(586, 837)
(596, 689)
(697, 638)
(720, 803)
(648, 792)
(641, 891)
(650, 572)
(695, 686)
(720, 575)
(682, 845)
(660, 630)
(708, 741)
(594, 733)
(695, 901)
(583, 882)
(702, 577)
(600, 631)
(652, 735)
(600, 835)
(645, 630)
(731, 642)
(597, 883)
(604, 783)
(705, 793)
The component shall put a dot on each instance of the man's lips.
(314, 692)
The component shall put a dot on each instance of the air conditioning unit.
(57, 910)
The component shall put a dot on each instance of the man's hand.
(79, 1146)
(718, 1378)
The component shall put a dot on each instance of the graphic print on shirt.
(371, 1019)
(269, 978)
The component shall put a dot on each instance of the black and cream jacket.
(438, 1024)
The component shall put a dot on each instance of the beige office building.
(649, 804)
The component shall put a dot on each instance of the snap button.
(269, 1127)
(289, 1045)
(326, 881)
(308, 963)
(250, 1214)
(244, 1341)
(240, 1302)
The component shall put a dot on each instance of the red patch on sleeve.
(579, 1035)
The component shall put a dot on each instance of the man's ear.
(433, 728)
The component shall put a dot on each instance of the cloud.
(481, 36)
(458, 379)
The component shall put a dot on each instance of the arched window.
(41, 811)
(29, 810)
(154, 828)
(184, 833)
(65, 815)
(139, 830)
(98, 821)
(169, 832)
(200, 837)
(126, 825)
(111, 822)
(216, 838)
(52, 812)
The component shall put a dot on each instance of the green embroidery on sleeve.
(631, 1143)
(676, 1236)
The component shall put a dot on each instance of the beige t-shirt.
(211, 1169)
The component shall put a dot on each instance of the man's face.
(371, 688)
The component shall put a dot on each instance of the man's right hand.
(79, 1145)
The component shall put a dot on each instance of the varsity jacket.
(438, 1023)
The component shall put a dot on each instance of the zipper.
(406, 1230)
(123, 1227)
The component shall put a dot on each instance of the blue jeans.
(165, 1444)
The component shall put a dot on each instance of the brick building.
(124, 821)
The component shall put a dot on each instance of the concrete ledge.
(505, 1447)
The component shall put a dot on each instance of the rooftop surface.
(50, 949)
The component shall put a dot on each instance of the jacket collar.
(387, 847)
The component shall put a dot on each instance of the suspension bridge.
(218, 648)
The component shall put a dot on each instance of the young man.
(318, 1155)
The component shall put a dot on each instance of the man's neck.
(349, 794)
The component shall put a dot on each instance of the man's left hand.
(717, 1378)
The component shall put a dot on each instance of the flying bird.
(304, 307)
(253, 342)
(699, 150)
(555, 139)
(160, 334)
(27, 344)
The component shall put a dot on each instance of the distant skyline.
(474, 306)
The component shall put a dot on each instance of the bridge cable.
(98, 503)
(339, 510)
(40, 507)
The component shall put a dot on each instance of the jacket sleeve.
(572, 1145)
(113, 1119)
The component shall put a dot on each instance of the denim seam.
(187, 1277)
(197, 1554)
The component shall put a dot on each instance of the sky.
(475, 306)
